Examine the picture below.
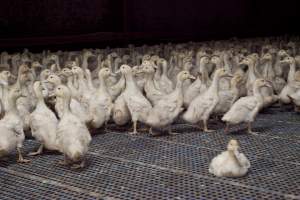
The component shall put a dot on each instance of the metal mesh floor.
(122, 166)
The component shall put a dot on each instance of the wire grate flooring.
(123, 166)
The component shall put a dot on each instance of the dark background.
(74, 24)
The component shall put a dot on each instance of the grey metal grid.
(122, 166)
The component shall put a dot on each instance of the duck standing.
(72, 134)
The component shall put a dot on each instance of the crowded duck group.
(60, 97)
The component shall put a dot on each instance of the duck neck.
(130, 82)
(214, 88)
(179, 86)
(102, 86)
(66, 104)
(85, 62)
(164, 69)
(292, 71)
(257, 93)
(233, 156)
(12, 106)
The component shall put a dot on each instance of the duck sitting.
(139, 107)
(169, 107)
(246, 108)
(230, 163)
(43, 123)
(73, 136)
(101, 103)
(12, 133)
(203, 105)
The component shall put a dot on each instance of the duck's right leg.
(134, 128)
(205, 129)
(250, 129)
(38, 152)
(226, 130)
(65, 161)
(21, 159)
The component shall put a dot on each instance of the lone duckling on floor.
(203, 105)
(169, 107)
(43, 123)
(230, 163)
(246, 108)
(73, 135)
(11, 126)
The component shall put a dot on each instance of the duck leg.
(21, 159)
(79, 166)
(134, 128)
(205, 129)
(226, 130)
(65, 161)
(38, 152)
(250, 129)
(170, 131)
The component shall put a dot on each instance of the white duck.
(230, 163)
(169, 107)
(289, 88)
(165, 84)
(246, 108)
(228, 97)
(139, 107)
(101, 103)
(199, 86)
(12, 133)
(121, 114)
(73, 136)
(43, 123)
(152, 93)
(75, 105)
(203, 105)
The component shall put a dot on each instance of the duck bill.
(118, 72)
(192, 77)
(113, 74)
(268, 84)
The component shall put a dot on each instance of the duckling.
(139, 107)
(152, 93)
(76, 107)
(228, 97)
(170, 106)
(12, 133)
(246, 108)
(295, 97)
(203, 105)
(165, 84)
(121, 114)
(73, 137)
(288, 89)
(43, 123)
(230, 163)
(101, 103)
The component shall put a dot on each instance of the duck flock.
(60, 97)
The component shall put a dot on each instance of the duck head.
(53, 79)
(66, 72)
(62, 91)
(184, 75)
(104, 73)
(266, 58)
(125, 69)
(222, 73)
(233, 145)
(236, 80)
(288, 60)
(262, 83)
